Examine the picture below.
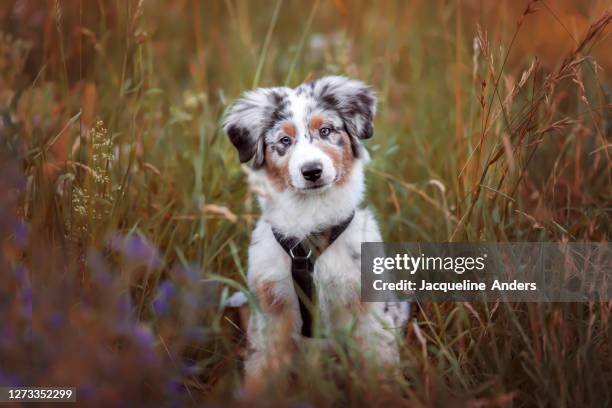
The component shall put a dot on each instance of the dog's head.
(306, 139)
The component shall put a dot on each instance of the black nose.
(312, 171)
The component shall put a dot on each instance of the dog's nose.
(312, 171)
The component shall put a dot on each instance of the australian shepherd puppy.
(308, 170)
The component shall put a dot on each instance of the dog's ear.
(250, 117)
(352, 99)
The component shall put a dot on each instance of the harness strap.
(304, 255)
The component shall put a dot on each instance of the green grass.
(460, 153)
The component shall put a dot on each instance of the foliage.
(125, 216)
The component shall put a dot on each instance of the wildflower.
(26, 302)
(137, 250)
(56, 320)
(176, 388)
(124, 304)
(21, 233)
(9, 379)
(21, 273)
(190, 368)
(143, 335)
(90, 204)
(164, 296)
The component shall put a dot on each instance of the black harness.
(304, 255)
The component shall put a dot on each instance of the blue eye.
(285, 140)
(325, 131)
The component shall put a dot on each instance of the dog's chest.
(336, 275)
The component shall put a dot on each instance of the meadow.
(125, 215)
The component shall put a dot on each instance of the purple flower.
(190, 368)
(9, 380)
(56, 320)
(7, 336)
(143, 335)
(22, 229)
(160, 307)
(124, 304)
(26, 296)
(164, 296)
(21, 273)
(166, 290)
(176, 387)
(87, 391)
(136, 249)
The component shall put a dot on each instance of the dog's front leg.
(272, 331)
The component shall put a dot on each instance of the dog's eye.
(324, 131)
(285, 140)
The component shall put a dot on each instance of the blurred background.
(125, 216)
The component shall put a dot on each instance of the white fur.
(297, 215)
(337, 273)
(296, 211)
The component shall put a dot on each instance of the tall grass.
(125, 216)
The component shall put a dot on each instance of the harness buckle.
(293, 256)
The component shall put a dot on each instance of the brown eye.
(325, 131)
(285, 140)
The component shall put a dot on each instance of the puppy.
(308, 161)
